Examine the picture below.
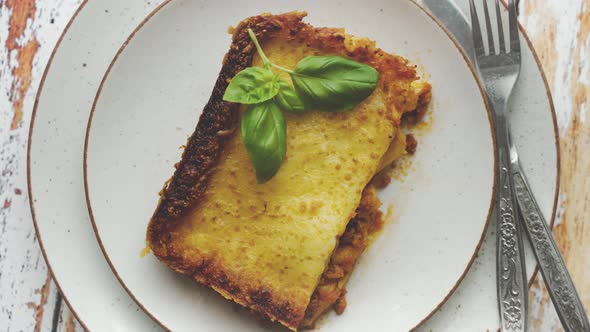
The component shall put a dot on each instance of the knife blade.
(447, 12)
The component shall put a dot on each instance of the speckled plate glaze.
(57, 192)
(149, 103)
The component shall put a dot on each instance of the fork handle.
(511, 271)
(557, 279)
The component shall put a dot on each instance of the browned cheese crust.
(218, 122)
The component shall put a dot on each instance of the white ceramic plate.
(149, 104)
(57, 193)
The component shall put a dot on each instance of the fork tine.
(476, 30)
(514, 37)
(489, 28)
(500, 28)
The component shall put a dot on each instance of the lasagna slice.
(285, 248)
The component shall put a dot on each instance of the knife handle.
(557, 279)
(511, 271)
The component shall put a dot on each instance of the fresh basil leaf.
(333, 83)
(251, 86)
(288, 100)
(265, 134)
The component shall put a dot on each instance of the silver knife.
(557, 279)
(447, 12)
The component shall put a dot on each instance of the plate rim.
(420, 9)
(29, 145)
(160, 6)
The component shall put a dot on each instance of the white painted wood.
(64, 229)
(28, 298)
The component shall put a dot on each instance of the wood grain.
(29, 300)
(560, 32)
(21, 12)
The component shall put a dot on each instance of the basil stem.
(265, 60)
(263, 56)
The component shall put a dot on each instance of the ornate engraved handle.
(511, 273)
(559, 283)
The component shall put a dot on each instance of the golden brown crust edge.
(205, 146)
(200, 156)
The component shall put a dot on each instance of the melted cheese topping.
(280, 234)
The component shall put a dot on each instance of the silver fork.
(499, 72)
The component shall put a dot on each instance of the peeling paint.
(70, 323)
(22, 75)
(540, 306)
(560, 31)
(39, 308)
(27, 295)
(22, 12)
(19, 11)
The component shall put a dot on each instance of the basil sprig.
(333, 83)
(288, 99)
(252, 85)
(264, 134)
(325, 83)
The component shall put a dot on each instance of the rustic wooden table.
(29, 300)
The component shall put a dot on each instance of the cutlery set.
(515, 205)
